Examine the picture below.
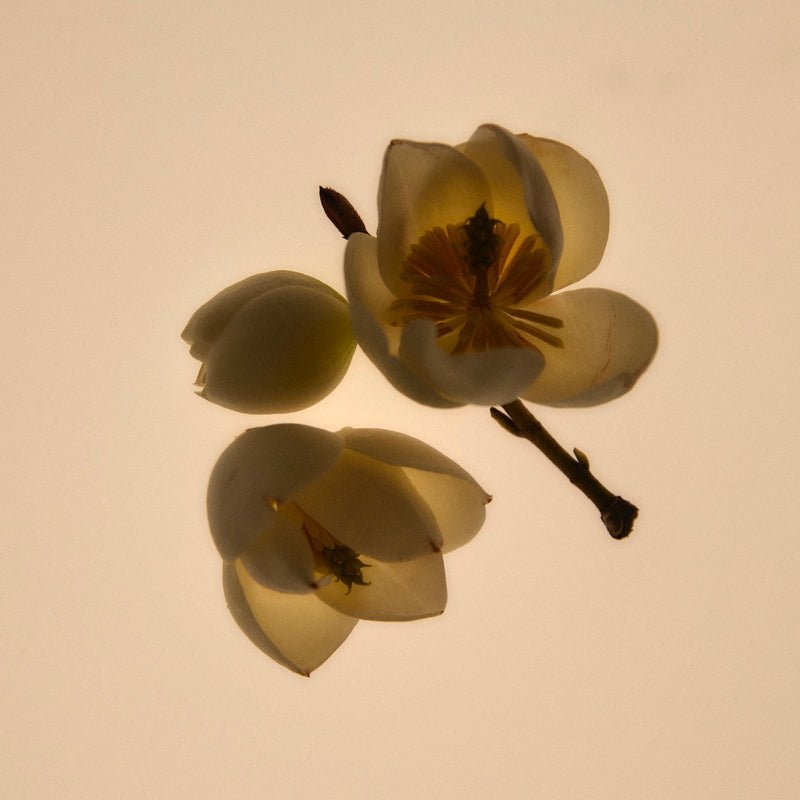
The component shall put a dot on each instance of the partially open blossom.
(275, 342)
(454, 299)
(318, 530)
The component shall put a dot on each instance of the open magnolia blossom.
(454, 299)
(318, 530)
(275, 342)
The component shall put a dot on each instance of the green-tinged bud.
(272, 343)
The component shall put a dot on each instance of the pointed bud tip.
(340, 212)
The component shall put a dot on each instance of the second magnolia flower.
(320, 529)
(454, 299)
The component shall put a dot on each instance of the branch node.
(505, 422)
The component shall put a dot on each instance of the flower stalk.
(618, 514)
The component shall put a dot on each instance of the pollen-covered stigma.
(473, 281)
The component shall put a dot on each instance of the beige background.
(154, 153)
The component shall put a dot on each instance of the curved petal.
(487, 377)
(369, 298)
(582, 204)
(208, 322)
(262, 465)
(397, 591)
(609, 340)
(281, 558)
(372, 508)
(453, 495)
(282, 351)
(298, 631)
(401, 450)
(459, 506)
(243, 617)
(520, 189)
(423, 185)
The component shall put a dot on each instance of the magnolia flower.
(454, 300)
(318, 530)
(274, 342)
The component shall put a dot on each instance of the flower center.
(331, 557)
(345, 565)
(475, 281)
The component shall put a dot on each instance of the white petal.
(210, 319)
(372, 508)
(298, 631)
(582, 204)
(453, 495)
(423, 185)
(608, 342)
(520, 189)
(459, 506)
(282, 351)
(487, 377)
(281, 558)
(397, 591)
(369, 299)
(262, 465)
(401, 450)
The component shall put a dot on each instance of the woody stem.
(618, 514)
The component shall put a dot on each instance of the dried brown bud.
(340, 212)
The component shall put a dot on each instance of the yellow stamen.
(471, 280)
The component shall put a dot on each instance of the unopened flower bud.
(272, 343)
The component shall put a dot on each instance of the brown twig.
(618, 514)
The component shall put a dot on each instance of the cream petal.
(208, 322)
(372, 508)
(453, 495)
(423, 185)
(397, 591)
(401, 450)
(459, 506)
(520, 189)
(281, 558)
(298, 631)
(261, 465)
(608, 342)
(369, 299)
(582, 204)
(282, 351)
(487, 377)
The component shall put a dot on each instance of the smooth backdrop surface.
(153, 153)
